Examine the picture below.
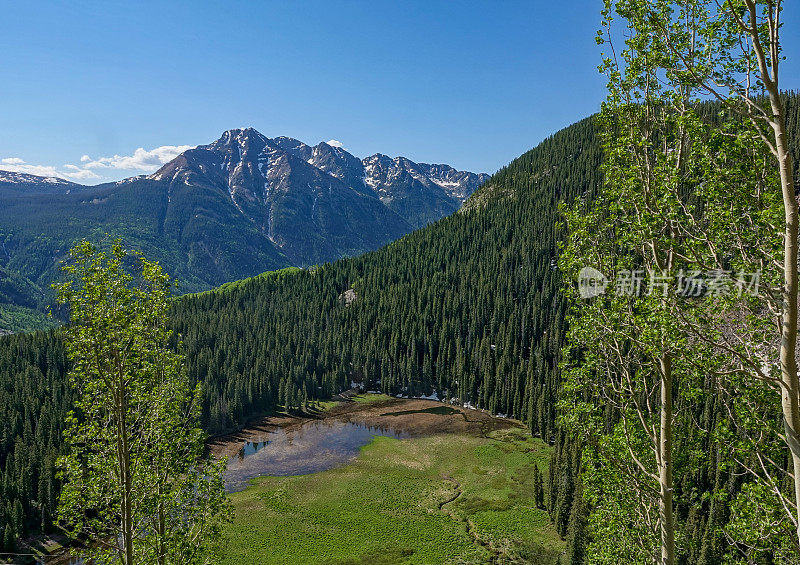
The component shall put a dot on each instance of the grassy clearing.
(387, 507)
(363, 399)
(371, 398)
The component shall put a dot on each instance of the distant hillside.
(240, 206)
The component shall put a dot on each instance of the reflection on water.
(312, 447)
(251, 447)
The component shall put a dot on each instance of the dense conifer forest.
(468, 307)
(34, 400)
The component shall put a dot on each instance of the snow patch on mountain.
(25, 178)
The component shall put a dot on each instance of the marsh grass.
(384, 507)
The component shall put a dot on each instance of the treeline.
(34, 400)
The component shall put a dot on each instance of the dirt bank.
(412, 416)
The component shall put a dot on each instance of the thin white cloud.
(82, 174)
(17, 165)
(76, 173)
(142, 161)
(335, 143)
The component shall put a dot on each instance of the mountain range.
(239, 206)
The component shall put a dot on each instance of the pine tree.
(538, 488)
(577, 530)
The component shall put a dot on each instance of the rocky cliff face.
(320, 203)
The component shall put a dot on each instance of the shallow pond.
(309, 448)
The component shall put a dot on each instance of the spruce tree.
(538, 488)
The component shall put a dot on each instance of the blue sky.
(471, 84)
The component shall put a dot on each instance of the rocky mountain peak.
(307, 204)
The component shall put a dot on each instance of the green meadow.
(440, 499)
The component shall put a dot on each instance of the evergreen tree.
(577, 531)
(538, 488)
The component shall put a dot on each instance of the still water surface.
(309, 448)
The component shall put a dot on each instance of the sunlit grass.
(384, 507)
(371, 398)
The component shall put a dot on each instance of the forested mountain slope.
(239, 206)
(467, 306)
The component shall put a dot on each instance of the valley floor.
(459, 490)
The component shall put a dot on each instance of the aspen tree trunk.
(665, 465)
(127, 503)
(768, 71)
(790, 389)
(790, 392)
(124, 460)
(162, 531)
